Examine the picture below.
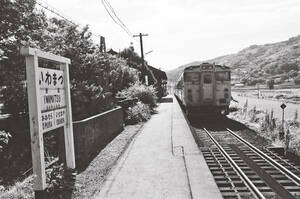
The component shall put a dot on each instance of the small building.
(161, 81)
(239, 85)
(112, 52)
(277, 80)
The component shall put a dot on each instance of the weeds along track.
(242, 170)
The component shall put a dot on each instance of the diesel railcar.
(205, 89)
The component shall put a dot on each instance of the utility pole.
(142, 54)
(102, 44)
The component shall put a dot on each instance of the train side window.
(207, 79)
(222, 76)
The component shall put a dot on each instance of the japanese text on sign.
(52, 99)
(53, 119)
(49, 105)
(51, 78)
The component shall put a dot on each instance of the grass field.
(267, 104)
(287, 95)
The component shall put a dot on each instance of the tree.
(286, 67)
(135, 61)
(297, 79)
(91, 71)
(20, 25)
(132, 58)
(270, 83)
(292, 73)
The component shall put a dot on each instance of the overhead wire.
(116, 19)
(55, 11)
(108, 7)
(111, 12)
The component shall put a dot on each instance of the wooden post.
(46, 114)
(68, 128)
(37, 144)
(282, 120)
(281, 134)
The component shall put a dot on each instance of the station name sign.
(49, 104)
(52, 99)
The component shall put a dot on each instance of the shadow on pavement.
(216, 123)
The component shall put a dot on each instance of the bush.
(4, 138)
(145, 94)
(297, 79)
(270, 83)
(138, 113)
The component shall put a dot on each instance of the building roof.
(111, 51)
(159, 74)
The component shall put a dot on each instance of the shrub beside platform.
(92, 134)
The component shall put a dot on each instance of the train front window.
(207, 79)
(191, 77)
(222, 76)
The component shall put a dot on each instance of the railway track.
(242, 170)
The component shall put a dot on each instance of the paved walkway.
(163, 161)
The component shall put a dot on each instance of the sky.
(183, 31)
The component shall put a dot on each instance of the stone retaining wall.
(92, 134)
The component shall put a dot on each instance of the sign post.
(281, 134)
(258, 91)
(49, 108)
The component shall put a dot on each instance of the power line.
(111, 12)
(114, 17)
(55, 11)
(46, 6)
(117, 18)
(112, 9)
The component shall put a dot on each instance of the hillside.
(257, 61)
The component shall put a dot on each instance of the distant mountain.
(257, 61)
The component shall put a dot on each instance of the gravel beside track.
(271, 182)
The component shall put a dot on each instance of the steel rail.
(284, 170)
(244, 177)
(283, 160)
(226, 174)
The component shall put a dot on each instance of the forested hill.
(266, 60)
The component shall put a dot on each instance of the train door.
(192, 88)
(207, 82)
(195, 87)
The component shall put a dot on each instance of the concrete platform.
(163, 161)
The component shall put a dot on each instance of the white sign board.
(49, 108)
(53, 119)
(52, 99)
(51, 78)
